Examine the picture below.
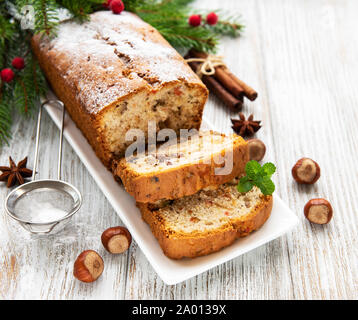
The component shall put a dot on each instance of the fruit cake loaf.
(174, 171)
(207, 221)
(116, 72)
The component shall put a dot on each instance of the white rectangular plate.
(282, 219)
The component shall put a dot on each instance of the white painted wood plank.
(302, 55)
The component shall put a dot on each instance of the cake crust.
(98, 68)
(179, 181)
(177, 245)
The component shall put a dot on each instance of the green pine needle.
(5, 120)
(81, 9)
(227, 25)
(258, 176)
(169, 17)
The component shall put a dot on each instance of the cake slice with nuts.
(206, 221)
(181, 169)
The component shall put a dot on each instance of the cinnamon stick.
(232, 102)
(233, 84)
(250, 93)
(215, 87)
(227, 82)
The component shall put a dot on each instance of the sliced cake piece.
(171, 172)
(207, 221)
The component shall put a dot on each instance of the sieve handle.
(38, 130)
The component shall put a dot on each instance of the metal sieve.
(44, 206)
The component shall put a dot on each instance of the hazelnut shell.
(88, 266)
(257, 149)
(322, 213)
(116, 239)
(301, 180)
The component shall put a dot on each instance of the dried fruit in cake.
(171, 172)
(207, 221)
(115, 72)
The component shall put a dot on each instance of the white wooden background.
(301, 56)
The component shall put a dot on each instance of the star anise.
(245, 127)
(15, 173)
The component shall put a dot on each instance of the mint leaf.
(244, 185)
(266, 186)
(257, 176)
(252, 168)
(269, 169)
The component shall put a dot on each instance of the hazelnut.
(116, 239)
(318, 211)
(306, 171)
(257, 149)
(88, 266)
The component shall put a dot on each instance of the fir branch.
(169, 17)
(46, 14)
(34, 75)
(40, 84)
(5, 118)
(174, 27)
(30, 85)
(7, 29)
(81, 9)
(227, 25)
(188, 40)
(23, 95)
(45, 20)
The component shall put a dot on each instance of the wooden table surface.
(301, 56)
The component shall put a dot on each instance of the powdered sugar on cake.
(116, 55)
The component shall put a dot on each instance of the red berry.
(195, 20)
(212, 18)
(116, 6)
(7, 75)
(18, 63)
(107, 3)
